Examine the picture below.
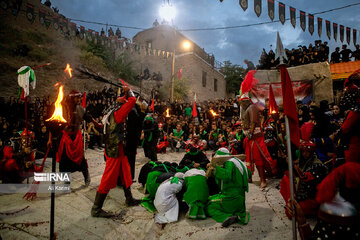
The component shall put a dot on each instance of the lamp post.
(186, 45)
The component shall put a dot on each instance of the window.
(203, 79)
(215, 85)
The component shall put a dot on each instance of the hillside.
(32, 44)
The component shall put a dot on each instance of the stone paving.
(73, 220)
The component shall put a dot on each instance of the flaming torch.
(58, 113)
(68, 69)
(167, 113)
(213, 113)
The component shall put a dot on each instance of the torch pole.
(288, 143)
(52, 204)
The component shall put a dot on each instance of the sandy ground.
(73, 220)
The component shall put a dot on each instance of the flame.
(167, 112)
(58, 113)
(213, 113)
(273, 111)
(68, 69)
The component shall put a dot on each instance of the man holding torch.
(117, 164)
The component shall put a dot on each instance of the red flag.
(194, 111)
(152, 105)
(290, 105)
(83, 103)
(179, 73)
(273, 108)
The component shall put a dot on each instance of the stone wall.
(318, 72)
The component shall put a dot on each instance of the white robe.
(166, 202)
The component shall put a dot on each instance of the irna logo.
(49, 177)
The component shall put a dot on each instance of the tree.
(234, 75)
(181, 89)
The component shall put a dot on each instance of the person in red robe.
(117, 164)
(254, 145)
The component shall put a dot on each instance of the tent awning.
(343, 70)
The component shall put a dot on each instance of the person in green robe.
(228, 206)
(196, 194)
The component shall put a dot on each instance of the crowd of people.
(240, 134)
(319, 52)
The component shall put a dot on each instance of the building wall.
(318, 72)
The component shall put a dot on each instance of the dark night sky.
(231, 44)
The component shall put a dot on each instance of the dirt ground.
(73, 220)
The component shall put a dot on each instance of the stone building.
(197, 66)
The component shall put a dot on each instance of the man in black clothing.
(335, 56)
(151, 136)
(356, 54)
(194, 158)
(345, 53)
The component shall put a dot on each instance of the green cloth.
(196, 196)
(178, 134)
(231, 199)
(188, 111)
(151, 187)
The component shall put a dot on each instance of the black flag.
(319, 20)
(302, 20)
(354, 36)
(271, 9)
(341, 33)
(348, 32)
(243, 4)
(30, 12)
(293, 16)
(42, 15)
(328, 29)
(282, 12)
(335, 30)
(257, 7)
(311, 24)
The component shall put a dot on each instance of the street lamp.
(186, 45)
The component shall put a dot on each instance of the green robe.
(151, 187)
(231, 199)
(196, 196)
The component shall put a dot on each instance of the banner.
(311, 23)
(319, 23)
(293, 16)
(257, 7)
(42, 14)
(342, 33)
(335, 30)
(328, 29)
(348, 33)
(30, 12)
(354, 36)
(303, 91)
(82, 32)
(243, 4)
(73, 29)
(271, 9)
(47, 23)
(56, 23)
(282, 12)
(303, 20)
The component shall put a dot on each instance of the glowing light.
(68, 70)
(58, 113)
(167, 112)
(167, 12)
(187, 44)
(213, 113)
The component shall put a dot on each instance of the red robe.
(350, 130)
(120, 164)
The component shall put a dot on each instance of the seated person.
(310, 171)
(195, 141)
(177, 138)
(228, 207)
(194, 158)
(163, 142)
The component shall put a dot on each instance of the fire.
(167, 112)
(58, 113)
(68, 69)
(213, 113)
